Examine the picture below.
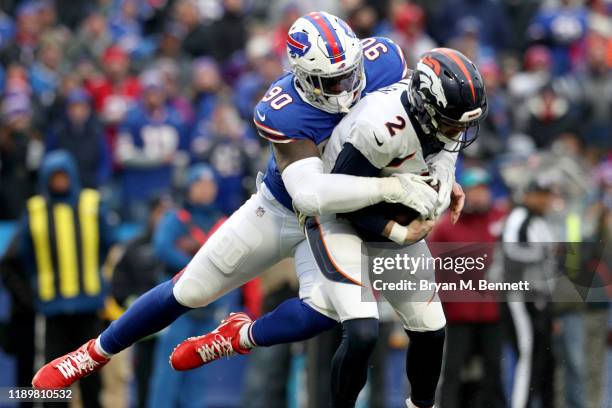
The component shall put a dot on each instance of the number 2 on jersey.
(277, 99)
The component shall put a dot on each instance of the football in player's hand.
(397, 212)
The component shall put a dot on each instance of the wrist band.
(398, 233)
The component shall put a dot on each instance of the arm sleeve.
(315, 193)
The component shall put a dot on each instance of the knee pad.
(191, 293)
(361, 334)
(201, 283)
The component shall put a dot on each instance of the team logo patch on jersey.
(298, 43)
(432, 82)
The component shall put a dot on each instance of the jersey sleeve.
(375, 143)
(384, 63)
(270, 125)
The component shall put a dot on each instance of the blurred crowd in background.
(150, 102)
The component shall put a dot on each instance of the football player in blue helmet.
(331, 70)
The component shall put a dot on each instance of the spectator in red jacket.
(472, 327)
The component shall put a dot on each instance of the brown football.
(397, 212)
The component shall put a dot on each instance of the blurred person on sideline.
(79, 132)
(497, 126)
(265, 67)
(178, 236)
(536, 73)
(490, 15)
(594, 93)
(62, 241)
(174, 83)
(206, 85)
(472, 327)
(234, 157)
(196, 41)
(150, 146)
(527, 242)
(138, 270)
(409, 31)
(363, 19)
(92, 39)
(115, 90)
(46, 71)
(561, 26)
(550, 114)
(169, 46)
(22, 47)
(229, 33)
(21, 150)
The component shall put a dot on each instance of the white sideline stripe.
(524, 337)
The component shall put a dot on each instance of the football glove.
(442, 173)
(418, 194)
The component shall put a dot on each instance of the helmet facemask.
(333, 93)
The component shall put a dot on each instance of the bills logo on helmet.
(298, 44)
(431, 81)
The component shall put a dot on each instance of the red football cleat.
(69, 368)
(224, 341)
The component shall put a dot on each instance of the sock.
(150, 313)
(100, 350)
(349, 370)
(423, 365)
(245, 337)
(293, 320)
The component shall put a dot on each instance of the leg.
(378, 366)
(423, 318)
(337, 291)
(293, 320)
(458, 348)
(350, 363)
(572, 358)
(489, 342)
(238, 251)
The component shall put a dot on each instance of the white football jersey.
(379, 127)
